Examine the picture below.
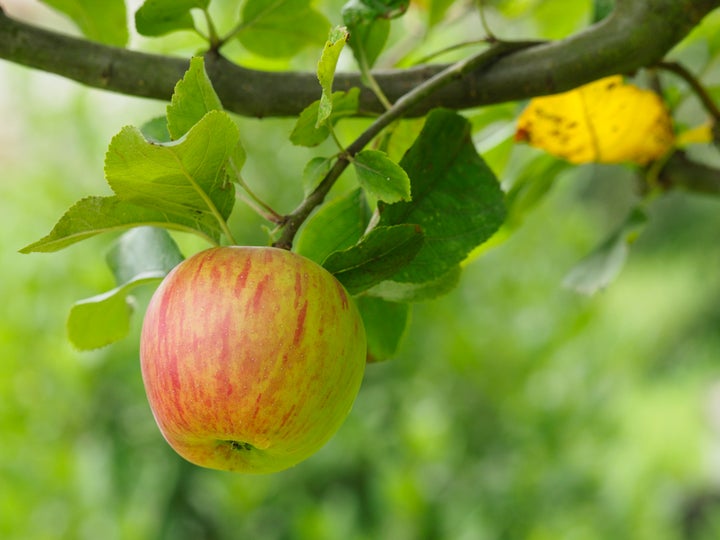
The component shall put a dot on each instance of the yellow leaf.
(697, 135)
(606, 121)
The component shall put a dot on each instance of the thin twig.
(697, 87)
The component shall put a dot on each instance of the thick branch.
(639, 33)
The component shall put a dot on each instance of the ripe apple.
(251, 358)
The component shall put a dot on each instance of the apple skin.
(251, 358)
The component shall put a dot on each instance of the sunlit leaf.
(606, 121)
(95, 215)
(307, 132)
(336, 226)
(185, 178)
(142, 256)
(105, 22)
(382, 177)
(326, 71)
(193, 97)
(158, 17)
(280, 28)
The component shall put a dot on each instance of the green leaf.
(94, 215)
(385, 325)
(599, 268)
(142, 250)
(382, 177)
(105, 22)
(437, 10)
(306, 132)
(531, 185)
(368, 41)
(280, 28)
(102, 319)
(378, 255)
(602, 9)
(417, 292)
(158, 17)
(457, 199)
(336, 226)
(184, 179)
(156, 130)
(193, 98)
(326, 71)
(315, 170)
(357, 12)
(141, 256)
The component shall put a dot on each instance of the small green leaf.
(356, 12)
(314, 172)
(306, 132)
(156, 130)
(417, 292)
(184, 179)
(193, 98)
(385, 326)
(141, 256)
(382, 177)
(456, 197)
(599, 268)
(158, 17)
(281, 28)
(437, 10)
(378, 255)
(105, 22)
(336, 226)
(105, 318)
(94, 215)
(326, 71)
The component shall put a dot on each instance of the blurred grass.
(516, 409)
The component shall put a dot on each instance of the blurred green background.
(516, 409)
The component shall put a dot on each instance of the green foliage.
(338, 225)
(158, 17)
(99, 21)
(326, 71)
(309, 131)
(513, 408)
(381, 177)
(376, 257)
(279, 28)
(141, 256)
(456, 198)
(185, 178)
(194, 96)
(385, 325)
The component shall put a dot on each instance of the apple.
(251, 358)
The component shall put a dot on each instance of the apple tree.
(427, 138)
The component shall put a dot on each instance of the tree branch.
(682, 173)
(637, 34)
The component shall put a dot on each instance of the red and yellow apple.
(251, 358)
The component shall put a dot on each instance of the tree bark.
(639, 33)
